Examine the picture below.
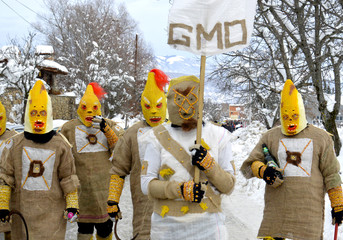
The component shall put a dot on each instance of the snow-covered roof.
(53, 66)
(44, 50)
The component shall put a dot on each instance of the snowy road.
(240, 225)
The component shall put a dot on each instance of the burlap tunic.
(5, 227)
(41, 199)
(92, 167)
(126, 160)
(295, 210)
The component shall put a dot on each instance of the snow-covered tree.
(298, 40)
(97, 41)
(18, 73)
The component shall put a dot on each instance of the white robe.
(191, 226)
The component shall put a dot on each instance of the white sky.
(151, 15)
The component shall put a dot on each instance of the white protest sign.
(209, 27)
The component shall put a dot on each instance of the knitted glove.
(4, 215)
(270, 175)
(336, 199)
(114, 193)
(5, 196)
(72, 210)
(193, 192)
(113, 210)
(201, 158)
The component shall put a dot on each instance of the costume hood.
(153, 99)
(90, 105)
(182, 99)
(3, 119)
(292, 110)
(38, 112)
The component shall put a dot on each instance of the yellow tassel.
(166, 172)
(203, 206)
(72, 200)
(5, 196)
(184, 209)
(165, 209)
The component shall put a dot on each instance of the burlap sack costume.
(295, 210)
(307, 161)
(5, 227)
(40, 199)
(127, 161)
(130, 150)
(92, 168)
(167, 171)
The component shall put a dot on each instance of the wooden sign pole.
(200, 111)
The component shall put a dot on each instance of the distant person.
(306, 168)
(37, 174)
(93, 139)
(4, 134)
(129, 152)
(182, 208)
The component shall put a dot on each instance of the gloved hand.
(272, 176)
(113, 210)
(71, 214)
(4, 215)
(337, 215)
(201, 158)
(99, 123)
(103, 125)
(193, 192)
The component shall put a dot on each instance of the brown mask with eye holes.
(182, 101)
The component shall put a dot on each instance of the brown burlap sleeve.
(255, 155)
(122, 156)
(6, 161)
(328, 163)
(66, 170)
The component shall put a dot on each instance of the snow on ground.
(243, 208)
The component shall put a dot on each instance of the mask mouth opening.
(38, 126)
(292, 127)
(89, 119)
(155, 119)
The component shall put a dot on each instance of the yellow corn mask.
(89, 107)
(183, 99)
(153, 102)
(38, 113)
(292, 111)
(2, 119)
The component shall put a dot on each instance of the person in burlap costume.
(37, 174)
(93, 144)
(294, 200)
(4, 134)
(182, 208)
(129, 151)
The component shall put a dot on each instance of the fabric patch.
(166, 172)
(295, 156)
(38, 166)
(9, 143)
(144, 168)
(90, 140)
(2, 146)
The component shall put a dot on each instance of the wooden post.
(200, 110)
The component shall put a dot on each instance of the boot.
(107, 238)
(8, 236)
(84, 236)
